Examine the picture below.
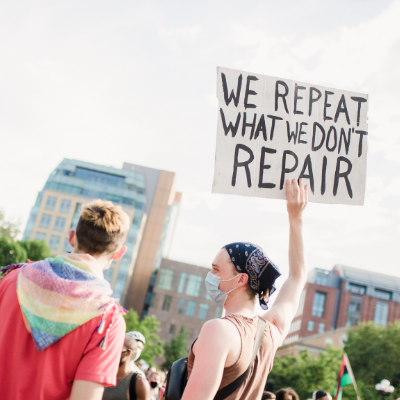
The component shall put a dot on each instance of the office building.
(344, 297)
(146, 194)
(178, 297)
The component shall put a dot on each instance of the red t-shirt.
(26, 373)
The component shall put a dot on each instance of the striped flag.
(345, 377)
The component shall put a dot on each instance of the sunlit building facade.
(146, 194)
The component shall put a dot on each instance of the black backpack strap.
(132, 386)
(229, 389)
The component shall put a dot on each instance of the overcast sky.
(114, 81)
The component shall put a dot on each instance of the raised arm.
(285, 306)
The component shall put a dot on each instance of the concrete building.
(344, 297)
(178, 298)
(146, 194)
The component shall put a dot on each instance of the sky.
(108, 82)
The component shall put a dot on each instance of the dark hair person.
(62, 333)
(242, 272)
(287, 394)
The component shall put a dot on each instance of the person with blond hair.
(61, 331)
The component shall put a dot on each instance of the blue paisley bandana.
(250, 259)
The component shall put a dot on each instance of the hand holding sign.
(271, 129)
(297, 198)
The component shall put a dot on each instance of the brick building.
(178, 298)
(344, 297)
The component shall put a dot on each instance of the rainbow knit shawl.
(57, 295)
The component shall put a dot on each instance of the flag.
(345, 377)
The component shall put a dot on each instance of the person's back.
(61, 332)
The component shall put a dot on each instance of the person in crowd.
(287, 394)
(61, 333)
(241, 272)
(154, 381)
(321, 395)
(150, 371)
(140, 341)
(131, 385)
(268, 395)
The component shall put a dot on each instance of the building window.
(318, 305)
(203, 310)
(381, 313)
(383, 294)
(40, 236)
(50, 203)
(182, 281)
(190, 308)
(67, 247)
(59, 225)
(167, 302)
(301, 304)
(65, 205)
(353, 315)
(172, 329)
(193, 285)
(291, 339)
(321, 327)
(310, 326)
(166, 277)
(358, 289)
(54, 242)
(321, 279)
(152, 300)
(181, 305)
(295, 326)
(218, 312)
(45, 221)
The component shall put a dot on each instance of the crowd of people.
(290, 394)
(63, 335)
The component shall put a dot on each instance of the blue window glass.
(181, 305)
(218, 312)
(203, 310)
(99, 177)
(63, 188)
(193, 285)
(59, 225)
(54, 242)
(108, 274)
(45, 221)
(310, 326)
(383, 294)
(358, 289)
(40, 236)
(182, 281)
(318, 305)
(167, 302)
(381, 313)
(67, 246)
(321, 328)
(166, 277)
(50, 203)
(139, 206)
(190, 308)
(65, 206)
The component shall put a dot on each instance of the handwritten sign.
(272, 129)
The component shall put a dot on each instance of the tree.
(11, 252)
(36, 250)
(306, 373)
(8, 228)
(176, 348)
(149, 327)
(374, 354)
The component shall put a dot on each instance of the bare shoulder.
(218, 326)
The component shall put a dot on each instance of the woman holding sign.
(233, 355)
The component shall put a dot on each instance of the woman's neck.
(240, 304)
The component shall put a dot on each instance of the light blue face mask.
(213, 290)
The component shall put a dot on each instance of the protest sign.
(273, 129)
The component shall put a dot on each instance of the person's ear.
(120, 253)
(72, 238)
(243, 279)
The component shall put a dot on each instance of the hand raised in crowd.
(297, 198)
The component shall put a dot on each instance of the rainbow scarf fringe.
(57, 295)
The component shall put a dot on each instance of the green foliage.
(8, 228)
(306, 373)
(176, 348)
(149, 327)
(374, 354)
(36, 250)
(11, 252)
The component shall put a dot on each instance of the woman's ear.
(244, 278)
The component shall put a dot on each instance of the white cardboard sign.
(272, 129)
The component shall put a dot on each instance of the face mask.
(153, 384)
(137, 354)
(213, 290)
